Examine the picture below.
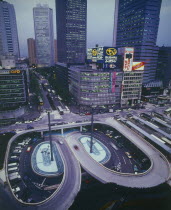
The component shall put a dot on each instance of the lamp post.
(91, 141)
(50, 136)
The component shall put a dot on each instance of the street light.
(91, 141)
(50, 135)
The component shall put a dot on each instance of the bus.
(61, 111)
(40, 101)
(167, 111)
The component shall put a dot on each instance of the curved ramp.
(157, 174)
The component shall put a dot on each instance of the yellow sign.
(111, 51)
(94, 52)
(15, 71)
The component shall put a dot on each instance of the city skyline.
(99, 24)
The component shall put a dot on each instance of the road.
(70, 186)
(158, 173)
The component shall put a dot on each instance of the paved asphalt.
(64, 197)
(158, 174)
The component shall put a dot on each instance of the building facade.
(8, 30)
(8, 61)
(131, 88)
(136, 25)
(89, 86)
(44, 35)
(13, 89)
(31, 51)
(164, 65)
(71, 18)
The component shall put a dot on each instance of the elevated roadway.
(157, 174)
(64, 196)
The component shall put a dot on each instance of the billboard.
(108, 56)
(92, 54)
(128, 58)
(16, 71)
(138, 66)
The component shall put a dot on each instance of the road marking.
(124, 159)
(130, 161)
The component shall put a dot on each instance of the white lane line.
(130, 161)
(124, 159)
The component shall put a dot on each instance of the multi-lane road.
(157, 174)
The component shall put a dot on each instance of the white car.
(15, 190)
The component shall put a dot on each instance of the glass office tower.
(8, 30)
(71, 18)
(136, 25)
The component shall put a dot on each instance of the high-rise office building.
(71, 18)
(164, 65)
(8, 30)
(31, 51)
(44, 35)
(136, 25)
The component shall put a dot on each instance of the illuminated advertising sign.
(104, 55)
(15, 71)
(138, 66)
(92, 54)
(112, 81)
(107, 56)
(128, 58)
(10, 71)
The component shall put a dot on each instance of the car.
(60, 142)
(116, 137)
(29, 149)
(15, 190)
(128, 155)
(88, 113)
(76, 147)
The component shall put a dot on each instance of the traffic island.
(41, 160)
(100, 152)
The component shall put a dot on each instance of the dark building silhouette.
(71, 18)
(164, 65)
(136, 25)
(8, 30)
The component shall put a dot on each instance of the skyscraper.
(44, 35)
(31, 51)
(136, 25)
(8, 30)
(71, 18)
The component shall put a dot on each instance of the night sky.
(100, 16)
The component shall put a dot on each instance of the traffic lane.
(125, 162)
(71, 185)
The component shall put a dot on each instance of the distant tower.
(31, 51)
(44, 35)
(136, 25)
(55, 51)
(71, 18)
(8, 30)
